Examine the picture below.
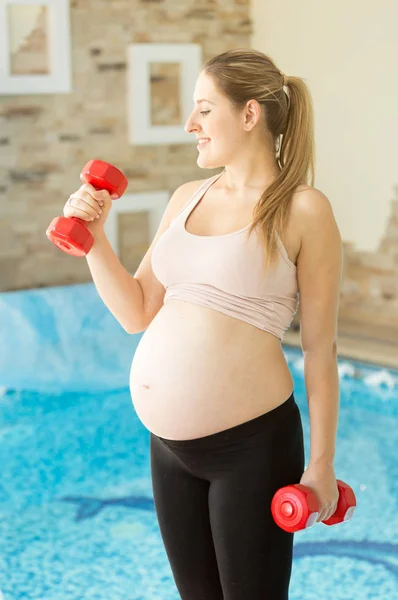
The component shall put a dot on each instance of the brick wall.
(46, 139)
(370, 282)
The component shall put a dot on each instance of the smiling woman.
(224, 274)
(215, 293)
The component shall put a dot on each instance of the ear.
(252, 114)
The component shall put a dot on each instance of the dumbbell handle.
(296, 507)
(70, 234)
(91, 174)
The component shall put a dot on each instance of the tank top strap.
(283, 251)
(197, 195)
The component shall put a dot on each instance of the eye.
(204, 112)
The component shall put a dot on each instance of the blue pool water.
(76, 509)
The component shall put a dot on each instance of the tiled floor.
(369, 343)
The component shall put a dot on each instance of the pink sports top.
(226, 273)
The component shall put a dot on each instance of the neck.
(254, 174)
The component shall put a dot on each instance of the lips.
(203, 142)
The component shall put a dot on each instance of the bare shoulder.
(307, 198)
(311, 209)
(191, 186)
(182, 195)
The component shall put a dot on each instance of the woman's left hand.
(320, 478)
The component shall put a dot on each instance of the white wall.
(347, 51)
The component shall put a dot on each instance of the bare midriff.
(197, 371)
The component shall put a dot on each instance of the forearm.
(323, 391)
(117, 288)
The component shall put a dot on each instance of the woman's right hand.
(90, 205)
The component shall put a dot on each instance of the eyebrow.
(203, 100)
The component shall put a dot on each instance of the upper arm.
(152, 290)
(319, 270)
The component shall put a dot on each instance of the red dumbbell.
(296, 507)
(71, 234)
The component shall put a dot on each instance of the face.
(217, 123)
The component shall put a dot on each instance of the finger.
(100, 196)
(88, 188)
(90, 194)
(73, 211)
(70, 212)
(75, 207)
(327, 513)
(331, 511)
(103, 197)
(83, 201)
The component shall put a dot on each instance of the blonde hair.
(243, 75)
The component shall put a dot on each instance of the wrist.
(321, 463)
(99, 241)
(99, 236)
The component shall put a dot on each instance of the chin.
(204, 163)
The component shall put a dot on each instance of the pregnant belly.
(197, 371)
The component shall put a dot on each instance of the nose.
(190, 125)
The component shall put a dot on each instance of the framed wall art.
(152, 202)
(160, 84)
(35, 47)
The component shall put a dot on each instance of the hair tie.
(285, 84)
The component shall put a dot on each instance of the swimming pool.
(77, 516)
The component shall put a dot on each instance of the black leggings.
(213, 497)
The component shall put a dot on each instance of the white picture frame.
(59, 78)
(152, 202)
(139, 57)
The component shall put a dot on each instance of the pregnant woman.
(215, 293)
